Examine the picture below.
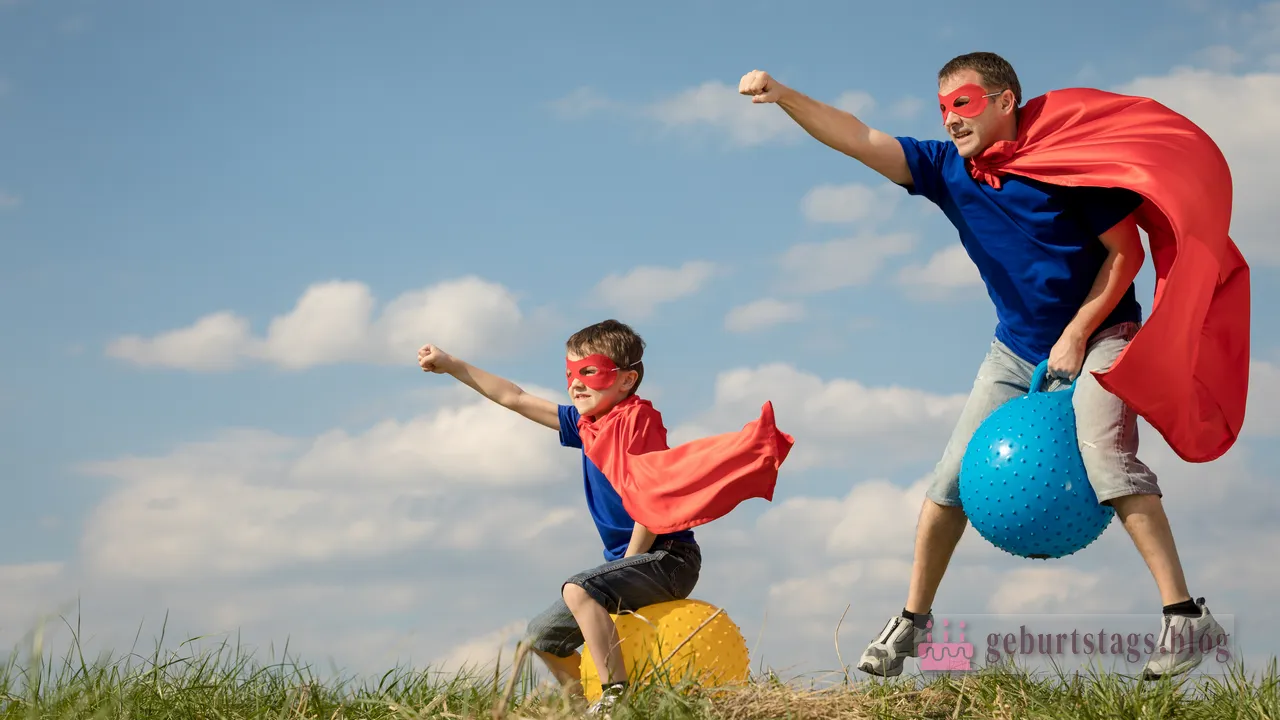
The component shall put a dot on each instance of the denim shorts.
(668, 571)
(1107, 429)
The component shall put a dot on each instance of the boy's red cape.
(1187, 370)
(671, 489)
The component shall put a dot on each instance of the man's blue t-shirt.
(611, 518)
(1036, 245)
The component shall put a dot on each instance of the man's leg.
(937, 533)
(1108, 434)
(1001, 377)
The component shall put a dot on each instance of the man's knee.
(944, 491)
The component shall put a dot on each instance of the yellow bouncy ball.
(715, 652)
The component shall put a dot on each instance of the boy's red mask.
(966, 101)
(605, 371)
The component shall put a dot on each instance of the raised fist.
(761, 87)
(433, 359)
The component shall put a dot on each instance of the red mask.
(605, 371)
(966, 101)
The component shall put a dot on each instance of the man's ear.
(1007, 102)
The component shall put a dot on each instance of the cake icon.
(945, 655)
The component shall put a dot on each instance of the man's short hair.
(616, 341)
(995, 71)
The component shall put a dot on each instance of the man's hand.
(433, 359)
(1067, 356)
(761, 87)
(831, 126)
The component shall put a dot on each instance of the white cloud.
(26, 587)
(579, 103)
(762, 314)
(1050, 589)
(333, 323)
(718, 106)
(214, 342)
(819, 267)
(1219, 58)
(907, 108)
(824, 593)
(855, 102)
(250, 501)
(483, 652)
(875, 519)
(641, 290)
(8, 200)
(947, 271)
(836, 421)
(1262, 411)
(850, 203)
(1238, 112)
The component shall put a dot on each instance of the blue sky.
(160, 165)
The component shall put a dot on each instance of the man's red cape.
(671, 489)
(1187, 370)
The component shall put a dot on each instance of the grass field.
(226, 682)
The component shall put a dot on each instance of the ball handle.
(1038, 378)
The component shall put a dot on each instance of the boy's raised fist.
(433, 359)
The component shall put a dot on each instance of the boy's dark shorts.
(669, 571)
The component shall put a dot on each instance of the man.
(1058, 260)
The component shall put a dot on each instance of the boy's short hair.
(616, 341)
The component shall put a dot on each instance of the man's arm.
(1124, 259)
(832, 127)
(499, 390)
(641, 540)
(1125, 256)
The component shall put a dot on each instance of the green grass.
(226, 682)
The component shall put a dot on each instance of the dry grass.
(226, 683)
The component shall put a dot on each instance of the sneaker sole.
(869, 669)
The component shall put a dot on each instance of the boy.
(623, 433)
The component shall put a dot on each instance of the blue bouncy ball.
(1023, 483)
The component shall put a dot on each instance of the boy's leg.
(554, 636)
(1108, 435)
(598, 632)
(1001, 377)
(669, 571)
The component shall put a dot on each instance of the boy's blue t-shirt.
(1036, 245)
(611, 518)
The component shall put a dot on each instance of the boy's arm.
(832, 127)
(500, 390)
(641, 540)
(647, 434)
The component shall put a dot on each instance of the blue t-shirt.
(612, 520)
(1036, 245)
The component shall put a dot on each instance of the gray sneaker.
(899, 640)
(603, 708)
(1183, 643)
